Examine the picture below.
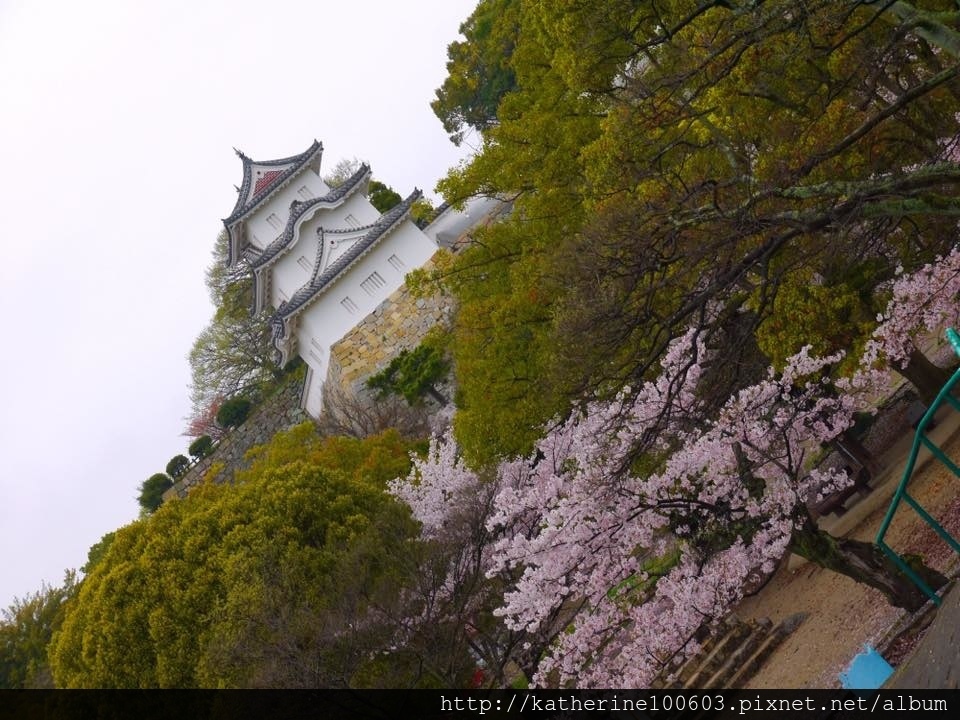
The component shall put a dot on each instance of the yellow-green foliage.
(826, 317)
(664, 162)
(178, 594)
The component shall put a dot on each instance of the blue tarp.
(867, 671)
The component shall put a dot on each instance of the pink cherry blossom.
(578, 526)
(924, 302)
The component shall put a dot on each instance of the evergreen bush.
(233, 412)
(152, 490)
(177, 466)
(201, 447)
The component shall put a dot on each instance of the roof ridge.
(243, 206)
(298, 209)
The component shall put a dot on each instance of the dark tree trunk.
(865, 563)
(437, 395)
(926, 377)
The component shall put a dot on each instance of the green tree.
(201, 447)
(422, 212)
(234, 412)
(676, 167)
(153, 488)
(413, 374)
(26, 627)
(479, 71)
(177, 466)
(829, 313)
(286, 578)
(382, 197)
(97, 552)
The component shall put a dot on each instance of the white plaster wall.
(360, 207)
(327, 320)
(313, 393)
(288, 275)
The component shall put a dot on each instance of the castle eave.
(321, 281)
(258, 188)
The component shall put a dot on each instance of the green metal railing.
(921, 438)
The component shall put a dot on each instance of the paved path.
(935, 663)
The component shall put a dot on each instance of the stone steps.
(729, 657)
(759, 634)
(765, 649)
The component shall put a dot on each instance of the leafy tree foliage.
(233, 354)
(201, 447)
(422, 212)
(26, 627)
(479, 71)
(828, 313)
(382, 197)
(177, 466)
(288, 577)
(662, 158)
(97, 552)
(413, 374)
(234, 412)
(153, 488)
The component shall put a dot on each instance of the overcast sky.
(117, 122)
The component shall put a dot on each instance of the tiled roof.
(320, 280)
(298, 209)
(261, 189)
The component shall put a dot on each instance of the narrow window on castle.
(352, 221)
(396, 263)
(304, 263)
(274, 221)
(349, 305)
(373, 283)
(305, 193)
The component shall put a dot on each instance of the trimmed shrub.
(233, 412)
(152, 490)
(201, 447)
(177, 466)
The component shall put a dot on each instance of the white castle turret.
(322, 258)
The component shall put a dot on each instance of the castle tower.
(322, 258)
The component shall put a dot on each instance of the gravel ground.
(842, 615)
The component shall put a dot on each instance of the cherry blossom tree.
(203, 420)
(458, 592)
(924, 302)
(645, 522)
